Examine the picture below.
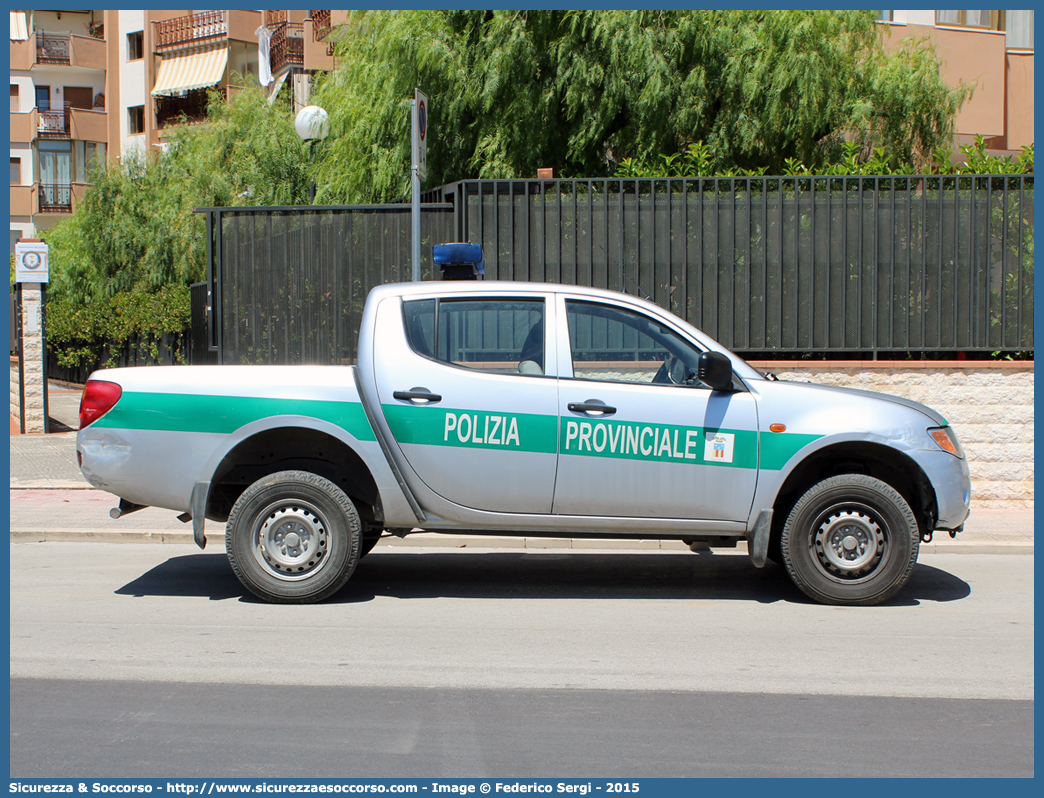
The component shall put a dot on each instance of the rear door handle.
(591, 406)
(419, 394)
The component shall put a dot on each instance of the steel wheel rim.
(849, 543)
(290, 540)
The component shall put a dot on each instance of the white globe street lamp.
(312, 123)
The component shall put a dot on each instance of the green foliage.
(979, 162)
(911, 110)
(587, 93)
(135, 229)
(593, 93)
(696, 161)
(79, 331)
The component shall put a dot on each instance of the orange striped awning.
(196, 70)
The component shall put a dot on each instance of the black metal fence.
(289, 284)
(200, 352)
(768, 266)
(781, 264)
(166, 350)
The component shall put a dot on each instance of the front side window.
(611, 344)
(504, 336)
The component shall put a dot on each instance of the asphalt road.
(143, 660)
(159, 730)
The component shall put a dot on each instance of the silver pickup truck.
(546, 410)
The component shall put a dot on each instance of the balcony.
(24, 127)
(207, 27)
(50, 198)
(319, 41)
(82, 124)
(55, 197)
(53, 48)
(192, 29)
(54, 124)
(66, 49)
(88, 124)
(23, 53)
(321, 24)
(188, 109)
(287, 47)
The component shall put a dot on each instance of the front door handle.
(592, 406)
(417, 394)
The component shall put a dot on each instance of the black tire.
(293, 538)
(851, 539)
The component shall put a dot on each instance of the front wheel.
(293, 538)
(851, 539)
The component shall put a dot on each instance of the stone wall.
(32, 360)
(988, 403)
(15, 398)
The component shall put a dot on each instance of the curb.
(56, 484)
(435, 540)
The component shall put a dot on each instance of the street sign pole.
(415, 192)
(418, 169)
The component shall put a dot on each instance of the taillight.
(98, 398)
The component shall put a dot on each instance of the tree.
(136, 229)
(581, 91)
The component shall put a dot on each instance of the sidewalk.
(50, 500)
(55, 514)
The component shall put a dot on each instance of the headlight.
(947, 440)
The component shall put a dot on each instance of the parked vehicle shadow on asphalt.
(502, 575)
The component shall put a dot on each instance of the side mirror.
(715, 370)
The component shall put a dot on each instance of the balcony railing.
(55, 198)
(191, 29)
(190, 109)
(320, 24)
(52, 48)
(287, 46)
(54, 124)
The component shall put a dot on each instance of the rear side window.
(420, 326)
(504, 336)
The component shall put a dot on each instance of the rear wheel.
(293, 538)
(851, 539)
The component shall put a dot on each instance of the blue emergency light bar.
(459, 261)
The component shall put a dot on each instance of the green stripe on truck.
(183, 412)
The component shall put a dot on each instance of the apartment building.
(993, 50)
(91, 86)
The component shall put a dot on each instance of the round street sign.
(422, 118)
